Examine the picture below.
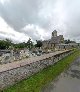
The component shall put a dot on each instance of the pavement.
(69, 81)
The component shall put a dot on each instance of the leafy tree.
(69, 41)
(29, 44)
(4, 44)
(19, 45)
(39, 43)
(7, 44)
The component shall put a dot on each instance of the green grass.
(37, 81)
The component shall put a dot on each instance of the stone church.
(55, 40)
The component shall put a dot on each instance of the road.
(69, 81)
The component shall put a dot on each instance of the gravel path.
(23, 62)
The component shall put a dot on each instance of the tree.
(39, 43)
(4, 44)
(69, 41)
(29, 44)
(19, 45)
(7, 44)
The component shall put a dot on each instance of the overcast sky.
(36, 19)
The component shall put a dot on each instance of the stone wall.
(14, 72)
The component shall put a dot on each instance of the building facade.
(55, 39)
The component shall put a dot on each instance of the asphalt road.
(69, 81)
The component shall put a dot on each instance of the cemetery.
(56, 43)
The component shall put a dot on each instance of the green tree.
(39, 43)
(4, 44)
(29, 44)
(69, 41)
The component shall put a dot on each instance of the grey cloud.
(33, 34)
(19, 13)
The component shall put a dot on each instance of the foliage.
(69, 41)
(7, 44)
(29, 44)
(39, 43)
(4, 44)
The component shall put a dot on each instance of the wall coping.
(20, 63)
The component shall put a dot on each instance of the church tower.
(54, 33)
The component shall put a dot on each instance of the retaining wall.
(12, 73)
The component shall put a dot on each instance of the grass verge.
(37, 81)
